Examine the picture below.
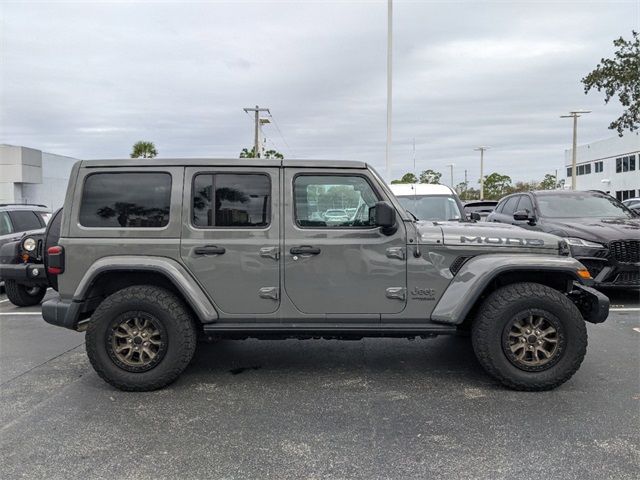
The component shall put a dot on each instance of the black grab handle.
(304, 250)
(209, 250)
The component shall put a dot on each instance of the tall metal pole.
(482, 174)
(451, 165)
(389, 89)
(574, 154)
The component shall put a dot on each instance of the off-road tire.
(21, 295)
(498, 310)
(169, 311)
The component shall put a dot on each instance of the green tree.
(144, 149)
(467, 193)
(549, 182)
(620, 76)
(430, 176)
(496, 186)
(524, 187)
(406, 178)
(246, 153)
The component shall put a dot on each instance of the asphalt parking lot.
(376, 408)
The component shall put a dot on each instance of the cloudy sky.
(88, 79)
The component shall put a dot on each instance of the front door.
(335, 261)
(230, 236)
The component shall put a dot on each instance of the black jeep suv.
(601, 232)
(21, 256)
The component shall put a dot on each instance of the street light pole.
(389, 89)
(574, 114)
(451, 165)
(482, 149)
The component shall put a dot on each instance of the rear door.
(341, 268)
(230, 236)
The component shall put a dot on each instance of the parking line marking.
(20, 313)
(637, 329)
(5, 300)
(627, 309)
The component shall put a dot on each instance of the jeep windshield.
(431, 207)
(580, 205)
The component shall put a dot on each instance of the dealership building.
(28, 175)
(611, 165)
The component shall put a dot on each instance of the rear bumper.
(61, 313)
(24, 273)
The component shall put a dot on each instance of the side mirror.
(475, 216)
(383, 215)
(524, 216)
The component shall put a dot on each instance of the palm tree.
(144, 149)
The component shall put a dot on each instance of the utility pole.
(256, 139)
(481, 149)
(574, 114)
(389, 89)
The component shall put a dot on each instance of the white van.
(428, 201)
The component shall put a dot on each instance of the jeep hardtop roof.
(233, 162)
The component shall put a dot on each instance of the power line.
(282, 136)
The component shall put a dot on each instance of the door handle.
(209, 250)
(305, 250)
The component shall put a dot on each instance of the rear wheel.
(140, 338)
(529, 336)
(24, 295)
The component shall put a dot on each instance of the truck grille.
(625, 251)
(628, 278)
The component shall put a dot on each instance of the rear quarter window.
(126, 200)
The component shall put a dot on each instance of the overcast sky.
(88, 79)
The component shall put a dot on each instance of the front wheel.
(140, 338)
(24, 295)
(529, 336)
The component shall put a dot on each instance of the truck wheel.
(140, 338)
(23, 295)
(529, 336)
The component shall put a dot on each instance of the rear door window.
(126, 200)
(233, 200)
(24, 220)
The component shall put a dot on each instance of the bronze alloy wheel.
(136, 341)
(533, 340)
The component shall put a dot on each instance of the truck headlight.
(579, 242)
(29, 244)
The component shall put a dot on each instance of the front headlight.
(579, 242)
(29, 244)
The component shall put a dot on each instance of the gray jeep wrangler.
(152, 254)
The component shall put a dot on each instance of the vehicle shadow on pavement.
(437, 358)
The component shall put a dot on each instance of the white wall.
(31, 176)
(607, 151)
